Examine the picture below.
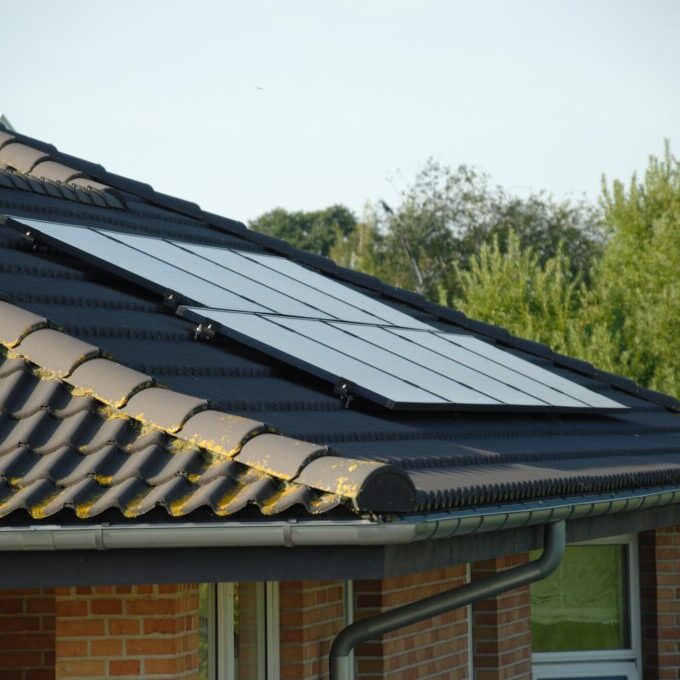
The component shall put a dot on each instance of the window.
(239, 631)
(585, 616)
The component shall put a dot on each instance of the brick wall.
(660, 603)
(502, 627)
(311, 615)
(435, 649)
(127, 632)
(27, 634)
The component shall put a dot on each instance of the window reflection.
(583, 605)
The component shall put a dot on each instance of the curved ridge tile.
(15, 323)
(57, 172)
(5, 138)
(20, 156)
(163, 408)
(278, 455)
(55, 352)
(371, 486)
(108, 381)
(220, 432)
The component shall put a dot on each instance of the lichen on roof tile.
(281, 456)
(108, 381)
(16, 322)
(163, 408)
(220, 432)
(55, 352)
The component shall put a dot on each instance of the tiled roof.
(80, 431)
(453, 459)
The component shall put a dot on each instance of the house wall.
(660, 602)
(148, 631)
(27, 634)
(434, 649)
(502, 627)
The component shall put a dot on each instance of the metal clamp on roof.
(204, 331)
(344, 389)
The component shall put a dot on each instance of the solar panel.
(324, 327)
(271, 335)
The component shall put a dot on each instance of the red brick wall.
(435, 649)
(502, 627)
(660, 603)
(147, 631)
(311, 615)
(27, 634)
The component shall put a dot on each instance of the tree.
(314, 231)
(445, 216)
(632, 319)
(511, 287)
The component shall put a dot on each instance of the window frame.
(221, 636)
(599, 662)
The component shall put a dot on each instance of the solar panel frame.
(33, 227)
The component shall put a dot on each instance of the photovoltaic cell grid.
(324, 327)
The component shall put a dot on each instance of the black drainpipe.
(554, 543)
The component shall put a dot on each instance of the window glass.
(248, 633)
(583, 605)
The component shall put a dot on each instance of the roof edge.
(308, 533)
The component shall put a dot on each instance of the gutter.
(554, 541)
(288, 534)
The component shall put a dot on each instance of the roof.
(452, 460)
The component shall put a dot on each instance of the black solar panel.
(360, 344)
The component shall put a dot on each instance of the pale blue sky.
(245, 106)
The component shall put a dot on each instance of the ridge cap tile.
(108, 381)
(55, 351)
(163, 408)
(278, 455)
(16, 323)
(21, 156)
(220, 431)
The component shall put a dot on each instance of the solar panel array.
(325, 327)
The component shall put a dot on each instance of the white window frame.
(604, 663)
(470, 628)
(221, 634)
(348, 609)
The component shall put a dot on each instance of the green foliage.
(631, 321)
(315, 231)
(445, 216)
(512, 288)
(623, 315)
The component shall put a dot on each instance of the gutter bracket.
(554, 544)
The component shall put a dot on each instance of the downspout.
(554, 543)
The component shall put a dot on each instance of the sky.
(247, 106)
